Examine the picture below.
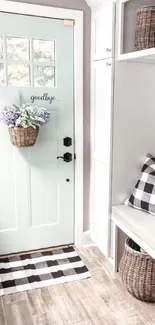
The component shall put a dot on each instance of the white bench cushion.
(139, 225)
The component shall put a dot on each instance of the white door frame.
(77, 16)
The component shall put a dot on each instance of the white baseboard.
(86, 240)
(111, 260)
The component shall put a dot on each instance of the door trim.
(77, 16)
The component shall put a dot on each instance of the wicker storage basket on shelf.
(23, 137)
(145, 28)
(137, 271)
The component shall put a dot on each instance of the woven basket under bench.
(137, 270)
(145, 28)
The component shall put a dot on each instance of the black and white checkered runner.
(40, 269)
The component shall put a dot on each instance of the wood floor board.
(145, 311)
(51, 318)
(1, 305)
(2, 319)
(2, 316)
(18, 313)
(40, 301)
(100, 300)
(19, 296)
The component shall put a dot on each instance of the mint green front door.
(36, 188)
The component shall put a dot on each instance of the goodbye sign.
(44, 97)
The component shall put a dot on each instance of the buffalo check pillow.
(143, 197)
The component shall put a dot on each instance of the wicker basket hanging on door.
(137, 270)
(145, 28)
(23, 137)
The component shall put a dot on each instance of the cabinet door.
(102, 103)
(102, 108)
(103, 21)
(101, 206)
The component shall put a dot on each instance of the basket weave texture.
(23, 137)
(145, 28)
(137, 271)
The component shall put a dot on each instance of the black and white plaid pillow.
(143, 197)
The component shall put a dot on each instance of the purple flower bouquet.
(24, 122)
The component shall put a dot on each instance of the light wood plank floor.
(101, 300)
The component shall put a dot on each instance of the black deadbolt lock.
(67, 157)
(67, 142)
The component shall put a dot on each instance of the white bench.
(138, 225)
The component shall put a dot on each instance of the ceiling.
(94, 3)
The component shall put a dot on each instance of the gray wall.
(80, 5)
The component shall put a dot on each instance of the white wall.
(134, 127)
(134, 124)
(134, 111)
(80, 5)
(134, 115)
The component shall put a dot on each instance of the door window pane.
(1, 74)
(17, 48)
(18, 75)
(43, 50)
(1, 47)
(44, 76)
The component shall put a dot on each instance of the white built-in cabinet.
(103, 22)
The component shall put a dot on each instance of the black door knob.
(67, 157)
(60, 157)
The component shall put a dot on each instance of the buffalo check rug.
(40, 269)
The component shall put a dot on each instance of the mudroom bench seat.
(138, 225)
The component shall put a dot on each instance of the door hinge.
(75, 156)
(69, 22)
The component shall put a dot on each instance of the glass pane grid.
(1, 47)
(27, 62)
(43, 50)
(2, 81)
(18, 48)
(44, 76)
(50, 64)
(18, 75)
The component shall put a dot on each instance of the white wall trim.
(99, 3)
(77, 16)
(87, 240)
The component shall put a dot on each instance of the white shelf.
(144, 56)
(125, 33)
